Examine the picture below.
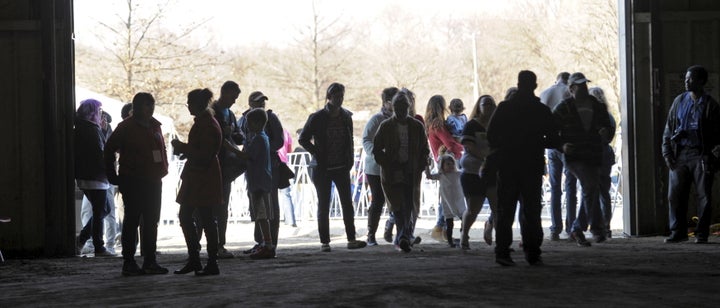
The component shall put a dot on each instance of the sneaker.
(416, 241)
(224, 254)
(371, 240)
(464, 245)
(130, 268)
(251, 250)
(701, 240)
(263, 253)
(676, 237)
(487, 233)
(104, 253)
(579, 238)
(154, 269)
(294, 225)
(405, 245)
(356, 244)
(554, 237)
(325, 247)
(504, 260)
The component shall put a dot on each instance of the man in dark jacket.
(519, 151)
(585, 128)
(691, 147)
(328, 136)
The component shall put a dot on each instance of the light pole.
(476, 81)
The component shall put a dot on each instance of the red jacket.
(201, 177)
(142, 150)
(438, 137)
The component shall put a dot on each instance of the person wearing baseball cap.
(274, 130)
(585, 127)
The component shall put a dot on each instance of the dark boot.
(211, 268)
(193, 264)
(449, 231)
(191, 240)
(211, 235)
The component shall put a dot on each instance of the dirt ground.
(624, 272)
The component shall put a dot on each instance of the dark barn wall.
(36, 188)
(662, 39)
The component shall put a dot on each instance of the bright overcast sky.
(241, 22)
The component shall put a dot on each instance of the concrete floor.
(624, 272)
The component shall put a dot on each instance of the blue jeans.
(605, 181)
(690, 169)
(556, 169)
(589, 177)
(323, 180)
(288, 205)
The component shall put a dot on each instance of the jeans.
(110, 221)
(690, 169)
(556, 169)
(142, 198)
(519, 186)
(94, 227)
(288, 205)
(323, 180)
(589, 177)
(605, 169)
(376, 205)
(404, 214)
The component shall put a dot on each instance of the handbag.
(232, 166)
(285, 174)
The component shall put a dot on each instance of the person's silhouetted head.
(563, 78)
(256, 119)
(401, 106)
(335, 95)
(435, 112)
(143, 106)
(578, 85)
(198, 100)
(527, 81)
(126, 111)
(90, 110)
(696, 78)
(257, 100)
(456, 106)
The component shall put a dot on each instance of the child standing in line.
(456, 120)
(259, 180)
(451, 193)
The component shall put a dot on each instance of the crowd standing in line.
(500, 149)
